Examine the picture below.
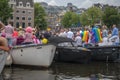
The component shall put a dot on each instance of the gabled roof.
(24, 2)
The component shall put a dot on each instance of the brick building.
(23, 13)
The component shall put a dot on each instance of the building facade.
(23, 13)
(55, 13)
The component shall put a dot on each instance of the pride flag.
(97, 35)
(85, 36)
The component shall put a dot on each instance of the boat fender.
(21, 50)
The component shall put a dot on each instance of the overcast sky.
(80, 3)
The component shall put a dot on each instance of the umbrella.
(29, 29)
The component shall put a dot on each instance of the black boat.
(79, 54)
(105, 53)
(73, 54)
(67, 52)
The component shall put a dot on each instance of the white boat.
(3, 57)
(34, 55)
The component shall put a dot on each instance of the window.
(17, 18)
(17, 11)
(29, 18)
(23, 24)
(17, 25)
(29, 24)
(11, 17)
(27, 4)
(20, 4)
(23, 18)
(23, 11)
(12, 5)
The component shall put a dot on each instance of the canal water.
(65, 71)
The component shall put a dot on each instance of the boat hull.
(35, 55)
(105, 53)
(3, 57)
(72, 54)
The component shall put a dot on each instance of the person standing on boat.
(115, 35)
(15, 36)
(9, 32)
(47, 33)
(104, 35)
(28, 36)
(21, 31)
(62, 33)
(21, 35)
(104, 31)
(70, 34)
(3, 41)
(96, 36)
(78, 39)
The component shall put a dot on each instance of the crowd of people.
(95, 35)
(10, 36)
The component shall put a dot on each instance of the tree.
(91, 16)
(70, 19)
(84, 20)
(5, 11)
(40, 21)
(111, 16)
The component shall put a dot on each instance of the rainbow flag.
(98, 37)
(85, 36)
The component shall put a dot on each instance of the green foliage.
(70, 19)
(40, 21)
(84, 20)
(111, 16)
(91, 16)
(5, 11)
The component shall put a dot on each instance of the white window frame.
(27, 4)
(21, 4)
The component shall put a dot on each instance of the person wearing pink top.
(8, 34)
(28, 36)
(35, 39)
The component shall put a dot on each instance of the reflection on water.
(92, 70)
(66, 71)
(27, 74)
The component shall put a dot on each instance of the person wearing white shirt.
(78, 40)
(70, 34)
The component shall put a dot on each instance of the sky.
(80, 3)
